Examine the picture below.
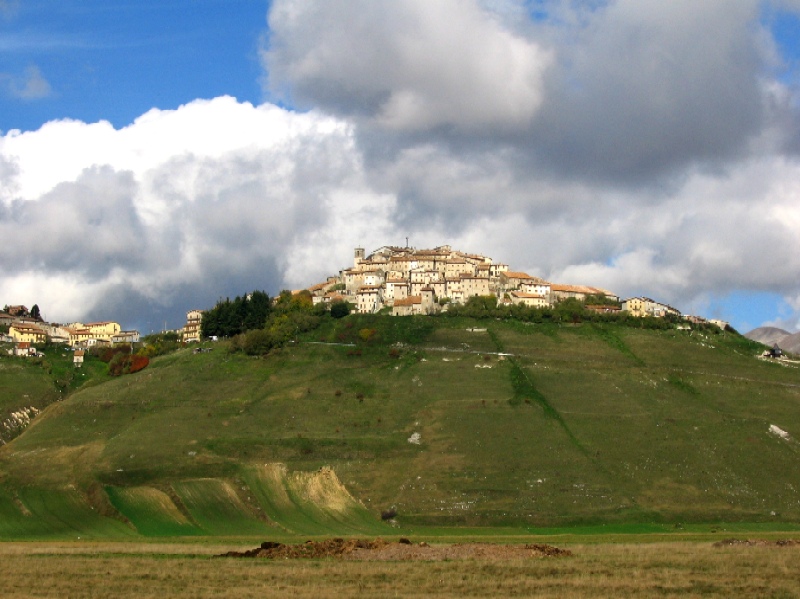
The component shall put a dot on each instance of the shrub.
(256, 342)
(388, 514)
(137, 363)
(340, 309)
(127, 364)
(366, 334)
(106, 354)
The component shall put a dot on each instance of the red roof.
(409, 301)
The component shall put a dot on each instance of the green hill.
(573, 425)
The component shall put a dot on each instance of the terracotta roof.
(578, 289)
(409, 301)
(28, 328)
(514, 274)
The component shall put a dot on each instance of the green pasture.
(534, 427)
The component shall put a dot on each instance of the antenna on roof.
(406, 242)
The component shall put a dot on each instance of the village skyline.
(391, 280)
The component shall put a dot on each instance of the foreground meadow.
(686, 569)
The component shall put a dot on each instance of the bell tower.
(359, 256)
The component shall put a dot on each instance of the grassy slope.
(38, 382)
(584, 424)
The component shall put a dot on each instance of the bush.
(127, 364)
(256, 342)
(137, 363)
(340, 309)
(106, 354)
(366, 334)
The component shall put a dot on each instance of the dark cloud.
(646, 88)
(88, 227)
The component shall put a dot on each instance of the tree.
(35, 312)
(229, 318)
(340, 309)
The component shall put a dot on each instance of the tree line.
(256, 323)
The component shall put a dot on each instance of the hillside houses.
(414, 281)
(644, 306)
(24, 329)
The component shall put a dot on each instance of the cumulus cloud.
(177, 209)
(636, 145)
(411, 65)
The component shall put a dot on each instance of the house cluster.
(414, 281)
(404, 281)
(25, 332)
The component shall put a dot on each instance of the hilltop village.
(403, 281)
(398, 281)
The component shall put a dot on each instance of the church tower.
(359, 256)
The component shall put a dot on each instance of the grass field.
(599, 569)
(529, 426)
(38, 382)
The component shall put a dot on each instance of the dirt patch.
(380, 550)
(757, 543)
(322, 488)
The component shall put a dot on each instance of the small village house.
(27, 333)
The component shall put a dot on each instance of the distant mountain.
(768, 336)
(791, 343)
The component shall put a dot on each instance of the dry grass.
(602, 570)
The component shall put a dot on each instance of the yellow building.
(92, 333)
(103, 330)
(27, 333)
(191, 332)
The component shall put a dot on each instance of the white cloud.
(178, 208)
(409, 65)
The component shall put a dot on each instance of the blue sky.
(116, 60)
(644, 147)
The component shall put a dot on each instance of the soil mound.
(380, 550)
(756, 543)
